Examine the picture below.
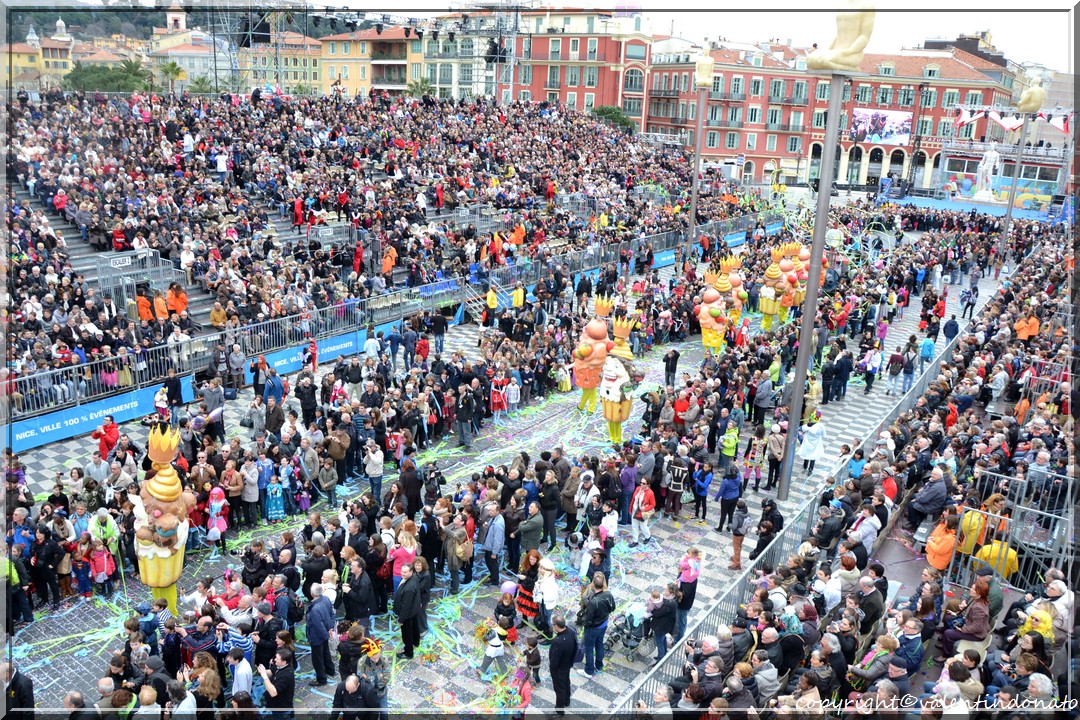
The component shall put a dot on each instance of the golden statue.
(618, 380)
(161, 518)
(1031, 100)
(853, 30)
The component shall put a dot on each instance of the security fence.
(55, 389)
(124, 276)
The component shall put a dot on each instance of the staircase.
(476, 304)
(84, 259)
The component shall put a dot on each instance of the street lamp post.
(703, 72)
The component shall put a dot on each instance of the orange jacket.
(940, 547)
(146, 311)
(389, 260)
(161, 309)
(1026, 328)
(176, 301)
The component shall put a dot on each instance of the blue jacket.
(911, 650)
(730, 488)
(496, 536)
(320, 620)
(532, 493)
(931, 499)
(274, 388)
(702, 480)
(926, 348)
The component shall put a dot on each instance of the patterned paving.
(55, 649)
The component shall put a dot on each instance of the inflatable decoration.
(618, 380)
(590, 354)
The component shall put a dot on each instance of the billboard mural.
(881, 127)
(1031, 194)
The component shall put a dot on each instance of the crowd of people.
(142, 173)
(707, 431)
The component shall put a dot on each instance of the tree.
(136, 70)
(101, 78)
(171, 71)
(201, 85)
(419, 88)
(614, 115)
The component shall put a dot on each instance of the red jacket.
(107, 438)
(645, 496)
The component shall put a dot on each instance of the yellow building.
(22, 63)
(364, 60)
(290, 60)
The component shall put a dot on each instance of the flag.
(963, 117)
(1061, 122)
(1007, 123)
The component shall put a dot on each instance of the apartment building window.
(591, 48)
(590, 101)
(757, 86)
(345, 47)
(465, 49)
(571, 99)
(446, 74)
(465, 75)
(931, 71)
(775, 116)
(967, 132)
(950, 98)
(345, 72)
(926, 126)
(431, 73)
(794, 144)
(731, 140)
(363, 72)
(632, 106)
(712, 139)
(592, 75)
(751, 141)
(526, 74)
(753, 114)
(736, 85)
(573, 76)
(314, 62)
(553, 76)
(864, 93)
(330, 71)
(734, 114)
(776, 88)
(929, 99)
(847, 93)
(819, 119)
(770, 143)
(525, 95)
(416, 71)
(685, 82)
(884, 95)
(315, 75)
(332, 49)
(691, 111)
(718, 83)
(363, 47)
(799, 89)
(973, 98)
(575, 45)
(416, 46)
(634, 80)
(822, 92)
(945, 127)
(555, 48)
(905, 97)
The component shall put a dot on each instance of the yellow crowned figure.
(590, 354)
(618, 380)
(161, 511)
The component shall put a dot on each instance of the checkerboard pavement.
(77, 642)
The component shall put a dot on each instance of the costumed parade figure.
(161, 514)
(738, 293)
(591, 352)
(711, 316)
(772, 287)
(618, 380)
(786, 288)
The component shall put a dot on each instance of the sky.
(1028, 36)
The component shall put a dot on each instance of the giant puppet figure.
(712, 317)
(161, 513)
(591, 352)
(772, 287)
(618, 380)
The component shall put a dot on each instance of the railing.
(724, 123)
(388, 80)
(665, 92)
(550, 84)
(738, 97)
(789, 127)
(123, 274)
(1008, 152)
(634, 87)
(679, 120)
(52, 390)
(388, 56)
(773, 125)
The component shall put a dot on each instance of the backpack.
(895, 366)
(909, 362)
(296, 610)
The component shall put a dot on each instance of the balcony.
(773, 126)
(679, 120)
(727, 96)
(955, 146)
(634, 88)
(550, 84)
(788, 100)
(665, 92)
(383, 56)
(545, 54)
(447, 54)
(389, 80)
(724, 123)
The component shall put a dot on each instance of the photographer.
(697, 653)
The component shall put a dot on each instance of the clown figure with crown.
(590, 354)
(617, 380)
(161, 518)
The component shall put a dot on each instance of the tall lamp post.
(703, 73)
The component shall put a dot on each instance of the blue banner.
(735, 239)
(774, 228)
(72, 422)
(291, 360)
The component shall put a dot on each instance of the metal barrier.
(51, 390)
(1019, 547)
(334, 233)
(124, 275)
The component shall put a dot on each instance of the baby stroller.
(629, 629)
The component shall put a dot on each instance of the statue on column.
(845, 53)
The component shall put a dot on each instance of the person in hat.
(375, 670)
